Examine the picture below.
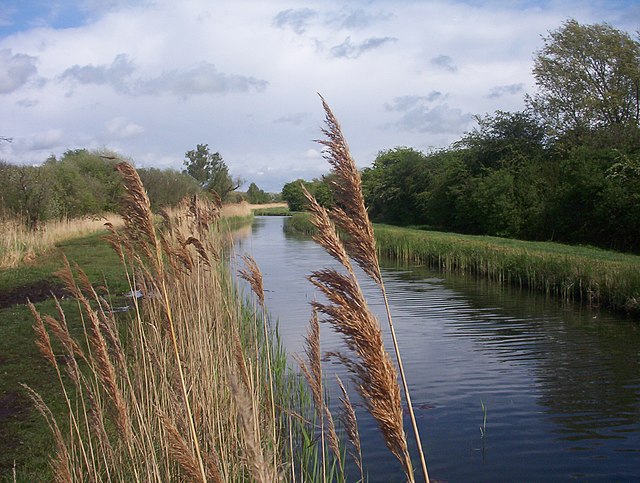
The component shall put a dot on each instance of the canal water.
(559, 384)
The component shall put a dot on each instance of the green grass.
(589, 275)
(586, 274)
(299, 223)
(25, 439)
(277, 211)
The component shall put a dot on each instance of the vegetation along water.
(154, 367)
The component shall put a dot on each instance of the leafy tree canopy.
(588, 78)
(210, 170)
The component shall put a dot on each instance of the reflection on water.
(561, 384)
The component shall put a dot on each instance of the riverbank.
(588, 275)
(218, 334)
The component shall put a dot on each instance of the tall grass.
(588, 275)
(194, 387)
(19, 243)
(347, 309)
(178, 395)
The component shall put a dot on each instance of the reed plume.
(351, 218)
(313, 374)
(256, 460)
(253, 276)
(350, 423)
(349, 314)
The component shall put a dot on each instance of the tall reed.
(159, 399)
(348, 311)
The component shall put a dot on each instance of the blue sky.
(150, 79)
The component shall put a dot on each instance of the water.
(561, 384)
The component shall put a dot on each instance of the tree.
(391, 186)
(256, 196)
(210, 171)
(588, 78)
(167, 187)
(292, 193)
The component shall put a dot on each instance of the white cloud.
(350, 50)
(444, 62)
(313, 154)
(295, 19)
(115, 74)
(121, 127)
(511, 89)
(423, 114)
(197, 79)
(294, 119)
(43, 141)
(153, 78)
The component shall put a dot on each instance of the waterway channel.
(560, 383)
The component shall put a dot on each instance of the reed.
(592, 276)
(158, 400)
(347, 310)
(588, 275)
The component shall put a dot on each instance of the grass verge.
(25, 438)
(584, 274)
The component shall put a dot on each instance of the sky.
(151, 79)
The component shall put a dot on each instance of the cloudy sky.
(151, 79)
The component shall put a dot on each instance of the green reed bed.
(585, 274)
(272, 211)
(300, 223)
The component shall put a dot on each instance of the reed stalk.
(350, 216)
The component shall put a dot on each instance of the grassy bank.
(19, 243)
(25, 439)
(585, 274)
(190, 382)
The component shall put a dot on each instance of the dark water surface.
(561, 384)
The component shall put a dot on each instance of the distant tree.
(588, 78)
(210, 171)
(391, 185)
(257, 196)
(168, 186)
(292, 193)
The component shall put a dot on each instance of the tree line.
(565, 168)
(84, 183)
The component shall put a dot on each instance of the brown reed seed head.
(136, 209)
(313, 371)
(349, 315)
(326, 234)
(59, 463)
(253, 275)
(255, 457)
(350, 424)
(180, 451)
(350, 214)
(42, 336)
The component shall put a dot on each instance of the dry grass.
(159, 400)
(239, 210)
(20, 244)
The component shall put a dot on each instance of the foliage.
(588, 78)
(81, 183)
(587, 274)
(167, 187)
(319, 188)
(210, 170)
(565, 168)
(256, 196)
